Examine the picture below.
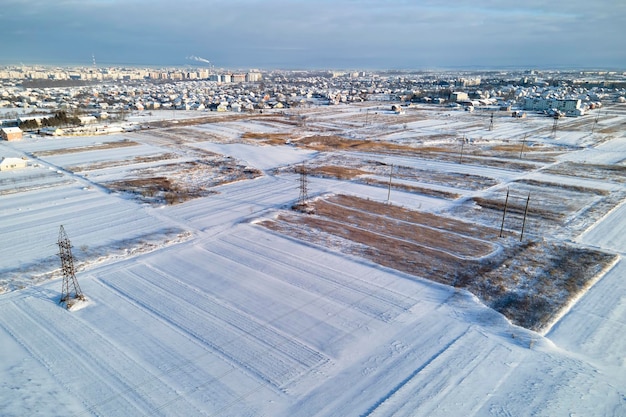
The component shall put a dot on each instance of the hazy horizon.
(187, 64)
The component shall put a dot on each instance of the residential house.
(11, 133)
(12, 163)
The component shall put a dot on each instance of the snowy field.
(194, 309)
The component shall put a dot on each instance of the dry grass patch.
(448, 241)
(412, 189)
(268, 138)
(528, 282)
(610, 173)
(178, 182)
(347, 173)
(334, 143)
(568, 187)
(419, 217)
(562, 212)
(346, 167)
(213, 118)
(615, 128)
(118, 163)
(536, 280)
(518, 206)
(340, 172)
(96, 147)
(517, 148)
(473, 155)
(157, 190)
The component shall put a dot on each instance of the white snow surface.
(239, 321)
(273, 157)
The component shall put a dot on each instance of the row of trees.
(60, 118)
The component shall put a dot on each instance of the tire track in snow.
(379, 303)
(447, 374)
(187, 365)
(286, 308)
(70, 366)
(251, 346)
(398, 391)
(374, 379)
(150, 389)
(352, 279)
(247, 323)
(232, 205)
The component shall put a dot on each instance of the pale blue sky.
(367, 34)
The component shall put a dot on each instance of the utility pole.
(389, 188)
(506, 203)
(525, 214)
(595, 122)
(491, 123)
(462, 145)
(522, 151)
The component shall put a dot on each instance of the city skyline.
(316, 34)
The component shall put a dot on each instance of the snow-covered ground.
(194, 310)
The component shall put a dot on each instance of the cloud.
(380, 33)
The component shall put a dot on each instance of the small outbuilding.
(87, 120)
(11, 133)
(12, 163)
(459, 97)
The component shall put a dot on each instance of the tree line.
(60, 118)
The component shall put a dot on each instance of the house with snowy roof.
(12, 163)
(11, 133)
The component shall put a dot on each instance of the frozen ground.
(195, 310)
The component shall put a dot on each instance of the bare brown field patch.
(213, 118)
(124, 162)
(96, 147)
(448, 241)
(333, 142)
(548, 204)
(610, 173)
(529, 282)
(180, 135)
(175, 183)
(347, 167)
(615, 128)
(418, 217)
(517, 206)
(569, 187)
(514, 152)
(335, 171)
(472, 155)
(156, 190)
(554, 209)
(412, 188)
(268, 138)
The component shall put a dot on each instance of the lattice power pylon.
(304, 194)
(303, 200)
(71, 290)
